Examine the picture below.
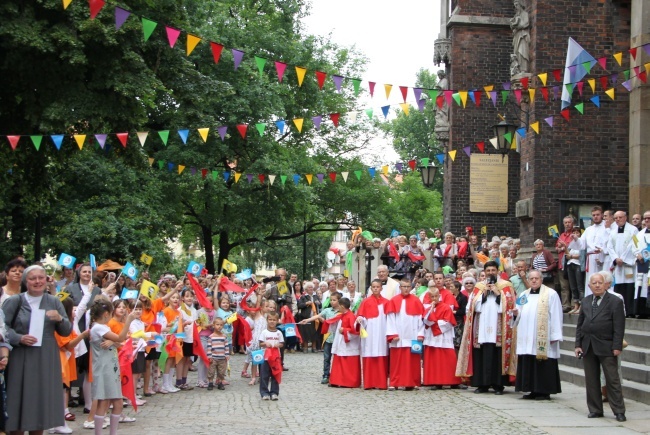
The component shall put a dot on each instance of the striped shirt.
(217, 348)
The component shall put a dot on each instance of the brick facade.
(585, 159)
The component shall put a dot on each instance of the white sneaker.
(266, 398)
(173, 389)
(126, 419)
(60, 429)
(274, 397)
(91, 425)
(140, 402)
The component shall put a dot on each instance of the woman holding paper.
(34, 398)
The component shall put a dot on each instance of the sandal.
(245, 375)
(70, 417)
(252, 382)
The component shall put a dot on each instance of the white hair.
(538, 241)
(309, 285)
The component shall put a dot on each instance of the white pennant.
(352, 117)
(494, 142)
(345, 176)
(271, 179)
(142, 136)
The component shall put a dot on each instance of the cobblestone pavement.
(306, 406)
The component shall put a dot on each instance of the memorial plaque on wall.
(488, 183)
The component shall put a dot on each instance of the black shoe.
(597, 415)
(620, 417)
(325, 380)
(480, 390)
(530, 396)
(210, 386)
(220, 387)
(72, 404)
(498, 393)
(462, 387)
(285, 369)
(543, 397)
(86, 411)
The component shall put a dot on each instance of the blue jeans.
(327, 358)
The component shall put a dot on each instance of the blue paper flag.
(93, 262)
(394, 233)
(384, 110)
(130, 271)
(416, 346)
(67, 260)
(257, 356)
(129, 294)
(522, 300)
(183, 134)
(194, 268)
(245, 274)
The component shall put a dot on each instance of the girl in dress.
(188, 316)
(107, 382)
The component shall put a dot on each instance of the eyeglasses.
(646, 217)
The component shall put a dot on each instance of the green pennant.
(358, 174)
(148, 27)
(161, 164)
(433, 94)
(626, 73)
(425, 161)
(260, 128)
(164, 135)
(508, 137)
(504, 96)
(569, 88)
(260, 61)
(214, 175)
(587, 66)
(456, 97)
(283, 178)
(580, 107)
(162, 359)
(357, 86)
(36, 140)
(369, 113)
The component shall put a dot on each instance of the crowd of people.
(481, 318)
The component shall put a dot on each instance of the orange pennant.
(192, 41)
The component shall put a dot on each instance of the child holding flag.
(271, 340)
(327, 314)
(188, 316)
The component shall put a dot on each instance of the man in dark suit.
(599, 341)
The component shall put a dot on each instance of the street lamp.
(428, 174)
(500, 130)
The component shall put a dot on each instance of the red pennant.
(13, 141)
(261, 178)
(477, 98)
(320, 76)
(556, 74)
(204, 173)
(199, 292)
(122, 137)
(602, 61)
(643, 76)
(603, 82)
(633, 52)
(335, 118)
(216, 51)
(481, 146)
(524, 82)
(636, 70)
(412, 165)
(404, 90)
(565, 114)
(197, 348)
(333, 176)
(279, 68)
(125, 358)
(545, 93)
(242, 130)
(440, 101)
(226, 285)
(580, 86)
(371, 86)
(95, 7)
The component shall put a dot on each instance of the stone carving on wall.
(520, 25)
(442, 113)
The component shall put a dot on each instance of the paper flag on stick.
(146, 259)
(194, 268)
(66, 260)
(130, 271)
(129, 294)
(149, 289)
(553, 231)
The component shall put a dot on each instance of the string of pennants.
(217, 49)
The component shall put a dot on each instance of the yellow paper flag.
(181, 168)
(300, 72)
(309, 178)
(513, 144)
(232, 318)
(237, 176)
(80, 139)
(635, 239)
(483, 230)
(619, 58)
(610, 93)
(66, 3)
(388, 88)
(151, 159)
(543, 77)
(139, 334)
(62, 296)
(452, 154)
(384, 169)
(463, 97)
(535, 126)
(531, 94)
(298, 123)
(363, 333)
(488, 89)
(592, 84)
(282, 288)
(647, 67)
(229, 266)
(146, 259)
(405, 108)
(192, 41)
(149, 289)
(203, 132)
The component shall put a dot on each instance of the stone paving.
(306, 406)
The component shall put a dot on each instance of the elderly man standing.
(599, 342)
(519, 280)
(390, 287)
(539, 333)
(623, 260)
(562, 282)
(594, 240)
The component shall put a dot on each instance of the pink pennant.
(237, 55)
(404, 90)
(602, 61)
(468, 150)
(172, 35)
(216, 51)
(280, 67)
(320, 77)
(371, 86)
(448, 96)
(122, 137)
(581, 84)
(13, 141)
(518, 95)
(549, 121)
(636, 70)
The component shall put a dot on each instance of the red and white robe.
(374, 349)
(404, 322)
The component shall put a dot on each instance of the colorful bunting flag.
(80, 139)
(387, 89)
(164, 135)
(142, 137)
(309, 177)
(184, 134)
(535, 127)
(241, 128)
(300, 72)
(13, 141)
(260, 61)
(203, 132)
(101, 139)
(121, 15)
(280, 67)
(36, 140)
(148, 27)
(260, 126)
(320, 77)
(216, 51)
(237, 56)
(298, 123)
(172, 35)
(192, 42)
(95, 7)
(543, 77)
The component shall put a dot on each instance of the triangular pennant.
(13, 141)
(283, 179)
(531, 94)
(320, 77)
(161, 164)
(280, 67)
(495, 143)
(66, 3)
(587, 66)
(418, 94)
(36, 140)
(580, 85)
(371, 88)
(335, 118)
(181, 168)
(298, 123)
(184, 134)
(203, 132)
(448, 97)
(405, 108)
(421, 104)
(643, 76)
(493, 97)
(369, 112)
(80, 139)
(317, 120)
(260, 61)
(387, 89)
(101, 139)
(170, 166)
(424, 162)
(384, 110)
(371, 171)
(619, 58)
(260, 126)
(569, 88)
(226, 176)
(399, 166)
(580, 107)
(557, 75)
(204, 173)
(192, 42)
(142, 137)
(614, 78)
(120, 15)
(524, 82)
(280, 125)
(596, 100)
(565, 114)
(237, 56)
(172, 35)
(95, 7)
(441, 158)
(332, 176)
(412, 163)
(433, 94)
(309, 177)
(384, 170)
(404, 91)
(535, 127)
(633, 52)
(271, 179)
(148, 27)
(481, 146)
(626, 73)
(627, 84)
(164, 135)
(58, 140)
(300, 72)
(543, 77)
(216, 51)
(452, 154)
(518, 95)
(352, 117)
(508, 137)
(345, 176)
(636, 70)
(468, 150)
(249, 177)
(506, 85)
(521, 132)
(151, 160)
(358, 175)
(356, 84)
(545, 94)
(338, 81)
(504, 96)
(215, 174)
(592, 84)
(549, 121)
(296, 179)
(261, 178)
(602, 61)
(488, 89)
(513, 144)
(122, 137)
(241, 128)
(477, 98)
(237, 176)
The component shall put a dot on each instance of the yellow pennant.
(181, 168)
(513, 144)
(647, 67)
(384, 170)
(66, 3)
(62, 296)
(203, 132)
(192, 41)
(463, 97)
(619, 58)
(488, 89)
(543, 77)
(146, 259)
(494, 143)
(452, 154)
(405, 108)
(388, 88)
(151, 159)
(298, 123)
(300, 72)
(592, 84)
(309, 178)
(237, 176)
(80, 139)
(535, 126)
(531, 94)
(229, 266)
(610, 93)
